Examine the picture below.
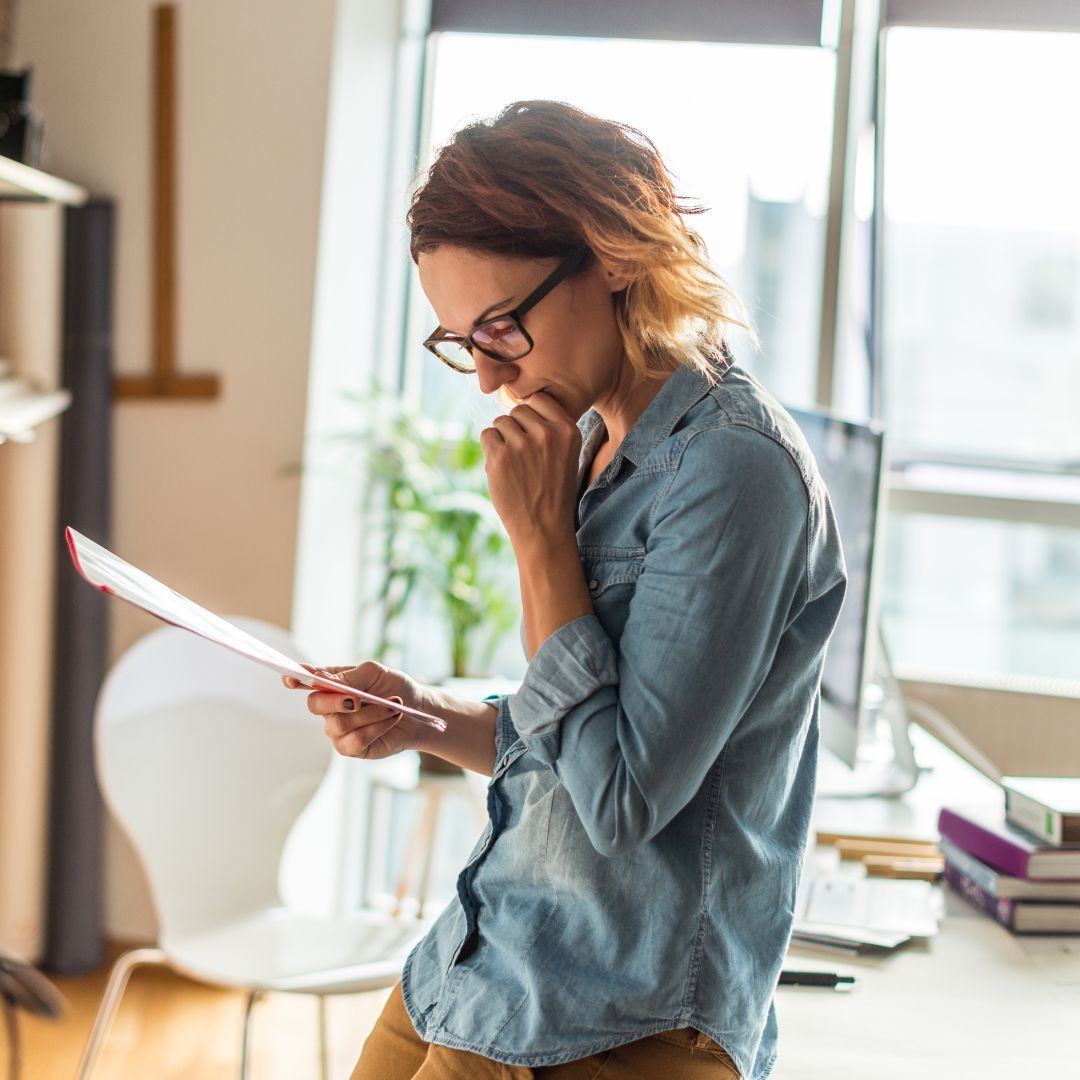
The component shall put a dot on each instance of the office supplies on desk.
(896, 857)
(1002, 886)
(857, 844)
(112, 575)
(1045, 806)
(899, 907)
(987, 835)
(827, 979)
(904, 869)
(847, 940)
(837, 906)
(1020, 916)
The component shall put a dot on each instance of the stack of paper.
(839, 906)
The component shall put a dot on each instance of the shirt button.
(594, 585)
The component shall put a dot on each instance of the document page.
(111, 574)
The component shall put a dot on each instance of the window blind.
(765, 22)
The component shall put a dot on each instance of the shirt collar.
(683, 389)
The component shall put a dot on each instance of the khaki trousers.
(394, 1051)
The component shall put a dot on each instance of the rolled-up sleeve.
(505, 732)
(632, 731)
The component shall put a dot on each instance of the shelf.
(19, 182)
(23, 408)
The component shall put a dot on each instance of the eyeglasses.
(503, 337)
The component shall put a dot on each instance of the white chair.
(206, 761)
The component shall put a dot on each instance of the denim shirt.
(654, 776)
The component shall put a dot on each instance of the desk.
(976, 1003)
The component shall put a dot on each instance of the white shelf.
(19, 181)
(23, 408)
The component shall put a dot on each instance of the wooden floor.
(170, 1028)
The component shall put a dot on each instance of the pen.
(828, 979)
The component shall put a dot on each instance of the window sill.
(998, 494)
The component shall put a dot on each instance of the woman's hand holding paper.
(361, 729)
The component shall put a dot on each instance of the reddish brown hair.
(542, 177)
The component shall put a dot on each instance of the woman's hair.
(542, 177)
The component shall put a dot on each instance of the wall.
(200, 499)
(31, 269)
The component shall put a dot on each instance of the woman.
(627, 910)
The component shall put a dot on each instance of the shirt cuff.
(571, 665)
(505, 733)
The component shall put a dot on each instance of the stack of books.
(1021, 864)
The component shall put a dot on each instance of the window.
(745, 128)
(982, 240)
(982, 598)
(981, 346)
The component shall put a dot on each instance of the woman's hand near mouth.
(531, 459)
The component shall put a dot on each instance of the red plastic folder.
(111, 574)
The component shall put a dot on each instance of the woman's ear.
(616, 275)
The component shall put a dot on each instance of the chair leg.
(245, 1046)
(110, 1002)
(324, 1052)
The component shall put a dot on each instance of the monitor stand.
(885, 759)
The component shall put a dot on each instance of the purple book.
(1022, 917)
(1002, 910)
(988, 836)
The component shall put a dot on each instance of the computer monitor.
(850, 458)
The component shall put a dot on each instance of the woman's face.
(577, 354)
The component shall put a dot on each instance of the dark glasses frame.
(569, 265)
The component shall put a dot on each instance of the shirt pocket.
(611, 575)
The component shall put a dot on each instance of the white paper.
(844, 899)
(112, 575)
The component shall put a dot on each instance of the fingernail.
(349, 704)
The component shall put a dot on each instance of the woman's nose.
(492, 374)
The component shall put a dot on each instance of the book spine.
(986, 877)
(999, 851)
(1037, 819)
(1001, 910)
